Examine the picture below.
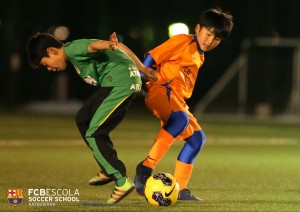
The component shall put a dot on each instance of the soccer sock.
(183, 173)
(121, 181)
(161, 145)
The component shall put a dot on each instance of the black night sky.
(97, 19)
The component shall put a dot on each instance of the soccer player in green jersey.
(114, 68)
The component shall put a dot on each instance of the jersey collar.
(198, 46)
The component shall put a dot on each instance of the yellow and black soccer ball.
(161, 189)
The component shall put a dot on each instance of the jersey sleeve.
(170, 49)
(77, 48)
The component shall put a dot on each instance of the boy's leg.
(185, 163)
(144, 169)
(109, 113)
(83, 119)
(163, 104)
(86, 113)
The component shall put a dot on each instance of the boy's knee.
(192, 147)
(177, 123)
(197, 140)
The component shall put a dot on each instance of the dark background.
(97, 19)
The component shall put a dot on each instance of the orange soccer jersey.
(177, 61)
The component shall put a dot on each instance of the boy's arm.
(103, 44)
(112, 44)
(147, 71)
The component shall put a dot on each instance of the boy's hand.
(113, 41)
(150, 74)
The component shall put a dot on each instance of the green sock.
(121, 181)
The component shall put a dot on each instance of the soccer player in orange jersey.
(177, 62)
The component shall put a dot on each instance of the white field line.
(50, 142)
(252, 141)
(211, 140)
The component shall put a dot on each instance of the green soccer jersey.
(105, 68)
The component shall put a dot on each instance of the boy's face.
(206, 38)
(56, 60)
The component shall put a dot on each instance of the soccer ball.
(161, 189)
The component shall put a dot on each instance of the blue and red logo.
(15, 196)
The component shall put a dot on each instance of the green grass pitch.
(244, 165)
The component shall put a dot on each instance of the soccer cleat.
(142, 174)
(185, 194)
(100, 179)
(120, 192)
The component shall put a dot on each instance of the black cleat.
(185, 194)
(142, 174)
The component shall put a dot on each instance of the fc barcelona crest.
(15, 196)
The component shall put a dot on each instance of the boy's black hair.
(37, 47)
(220, 21)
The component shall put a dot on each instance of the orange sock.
(160, 146)
(183, 173)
